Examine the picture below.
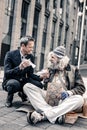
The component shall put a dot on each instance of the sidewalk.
(10, 119)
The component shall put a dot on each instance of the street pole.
(81, 36)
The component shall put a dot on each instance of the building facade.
(83, 29)
(50, 22)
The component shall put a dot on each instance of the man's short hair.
(24, 40)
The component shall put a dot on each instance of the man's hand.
(25, 63)
(64, 95)
(44, 74)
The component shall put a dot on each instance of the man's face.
(54, 61)
(28, 49)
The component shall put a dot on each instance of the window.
(86, 51)
(38, 1)
(24, 12)
(61, 8)
(72, 36)
(46, 23)
(84, 32)
(41, 61)
(67, 17)
(23, 28)
(86, 12)
(85, 22)
(65, 36)
(54, 5)
(61, 3)
(10, 7)
(52, 37)
(47, 4)
(59, 38)
(83, 42)
(35, 27)
(73, 22)
(10, 11)
(45, 31)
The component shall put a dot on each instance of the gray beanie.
(59, 51)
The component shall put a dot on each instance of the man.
(71, 98)
(17, 67)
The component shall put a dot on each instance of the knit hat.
(59, 51)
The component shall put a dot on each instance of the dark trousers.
(12, 86)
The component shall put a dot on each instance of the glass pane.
(45, 23)
(23, 29)
(24, 11)
(47, 4)
(36, 17)
(41, 61)
(44, 39)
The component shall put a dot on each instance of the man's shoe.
(8, 104)
(22, 96)
(9, 100)
(61, 120)
(34, 117)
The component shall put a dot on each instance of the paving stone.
(22, 121)
(10, 126)
(77, 128)
(2, 122)
(43, 124)
(29, 127)
(58, 127)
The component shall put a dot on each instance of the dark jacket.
(75, 81)
(12, 70)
